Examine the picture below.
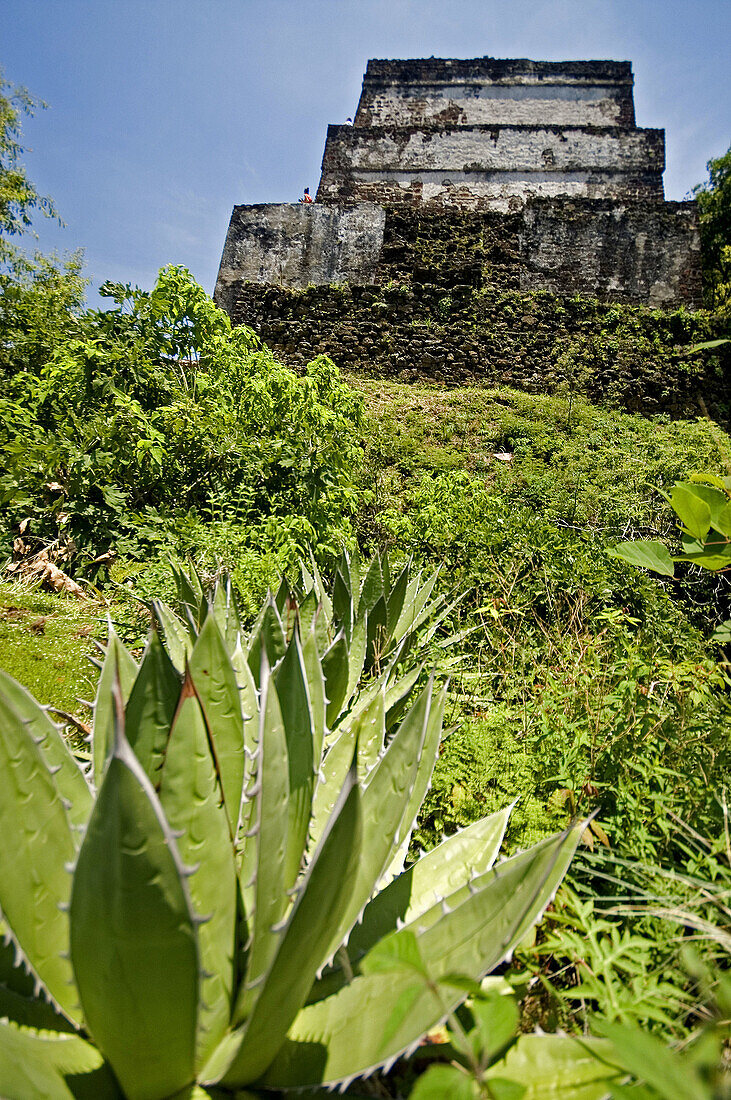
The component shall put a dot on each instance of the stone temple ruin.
(539, 166)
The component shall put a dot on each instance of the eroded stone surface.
(546, 152)
(293, 245)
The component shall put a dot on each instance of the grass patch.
(45, 643)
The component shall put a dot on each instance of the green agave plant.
(203, 912)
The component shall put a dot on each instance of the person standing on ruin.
(307, 197)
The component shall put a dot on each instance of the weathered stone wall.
(544, 157)
(484, 91)
(293, 244)
(642, 252)
(454, 333)
(488, 166)
(622, 252)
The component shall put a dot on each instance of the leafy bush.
(154, 426)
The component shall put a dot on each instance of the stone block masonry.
(544, 159)
(293, 244)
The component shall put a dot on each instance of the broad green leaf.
(291, 682)
(716, 499)
(496, 1023)
(650, 1059)
(559, 1066)
(691, 509)
(52, 1066)
(118, 665)
(722, 520)
(323, 1047)
(37, 845)
(192, 800)
(265, 861)
(416, 609)
(396, 952)
(150, 708)
(217, 689)
(645, 554)
(133, 940)
(178, 640)
(441, 1081)
(70, 782)
(368, 731)
(708, 479)
(319, 905)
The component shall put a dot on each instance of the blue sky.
(164, 113)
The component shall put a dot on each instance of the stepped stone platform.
(546, 154)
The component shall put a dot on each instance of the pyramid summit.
(545, 154)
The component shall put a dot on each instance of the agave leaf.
(133, 940)
(332, 776)
(558, 1066)
(342, 605)
(178, 637)
(70, 781)
(151, 706)
(316, 692)
(396, 698)
(217, 689)
(368, 731)
(192, 800)
(291, 683)
(356, 658)
(118, 664)
(335, 669)
(439, 874)
(377, 644)
(20, 1001)
(270, 637)
(372, 589)
(398, 695)
(190, 592)
(427, 760)
(323, 1045)
(37, 844)
(47, 1065)
(320, 903)
(384, 803)
(232, 630)
(249, 700)
(323, 596)
(310, 617)
(396, 600)
(265, 861)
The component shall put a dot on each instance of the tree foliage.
(18, 195)
(714, 202)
